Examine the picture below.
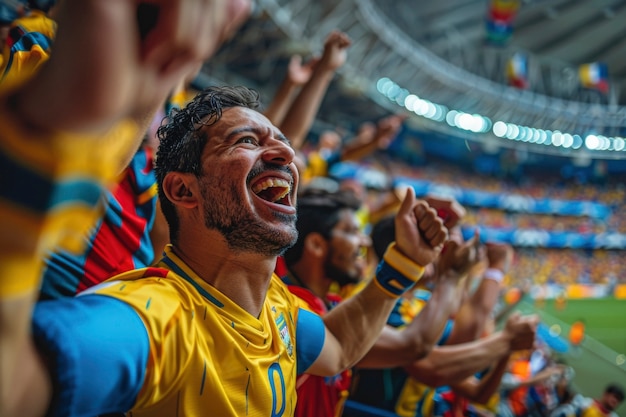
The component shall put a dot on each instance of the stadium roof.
(439, 52)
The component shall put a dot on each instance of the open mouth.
(274, 190)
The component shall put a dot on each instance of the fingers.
(335, 50)
(237, 13)
(430, 225)
(295, 62)
(190, 30)
(523, 329)
(337, 38)
(500, 256)
(446, 259)
(408, 201)
(475, 240)
(514, 317)
(533, 320)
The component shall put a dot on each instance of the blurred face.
(345, 261)
(610, 401)
(330, 140)
(249, 183)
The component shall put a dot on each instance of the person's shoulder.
(310, 300)
(141, 286)
(279, 291)
(582, 401)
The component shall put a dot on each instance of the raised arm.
(369, 139)
(301, 114)
(399, 347)
(470, 321)
(64, 115)
(354, 325)
(403, 347)
(480, 390)
(298, 74)
(449, 364)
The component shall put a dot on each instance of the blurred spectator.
(580, 406)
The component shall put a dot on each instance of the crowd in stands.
(538, 265)
(169, 252)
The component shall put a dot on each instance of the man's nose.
(278, 152)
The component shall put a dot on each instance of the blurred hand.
(299, 73)
(448, 209)
(522, 331)
(387, 129)
(335, 50)
(500, 256)
(460, 257)
(132, 56)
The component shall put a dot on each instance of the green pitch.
(601, 357)
(605, 319)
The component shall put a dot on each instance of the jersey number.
(275, 374)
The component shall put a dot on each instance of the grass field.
(601, 357)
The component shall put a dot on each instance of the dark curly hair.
(318, 212)
(43, 5)
(181, 138)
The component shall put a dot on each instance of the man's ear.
(316, 244)
(180, 189)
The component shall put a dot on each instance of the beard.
(340, 276)
(227, 212)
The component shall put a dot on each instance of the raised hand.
(335, 50)
(460, 256)
(521, 330)
(447, 208)
(299, 73)
(420, 233)
(132, 55)
(387, 129)
(500, 256)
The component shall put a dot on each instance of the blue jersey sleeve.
(310, 335)
(97, 350)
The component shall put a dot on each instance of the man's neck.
(243, 277)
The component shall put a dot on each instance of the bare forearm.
(402, 347)
(481, 390)
(281, 102)
(448, 364)
(491, 382)
(357, 322)
(473, 314)
(358, 150)
(301, 114)
(25, 388)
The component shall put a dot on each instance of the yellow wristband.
(402, 263)
(397, 273)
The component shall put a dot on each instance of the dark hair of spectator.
(615, 389)
(382, 234)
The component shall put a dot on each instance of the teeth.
(273, 183)
(281, 195)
